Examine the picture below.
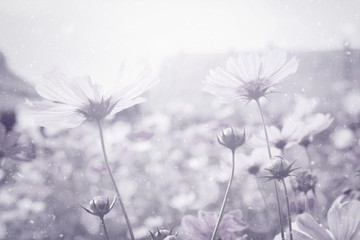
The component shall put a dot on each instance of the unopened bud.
(100, 206)
(232, 138)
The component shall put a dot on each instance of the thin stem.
(263, 197)
(114, 183)
(279, 211)
(288, 209)
(309, 158)
(104, 227)
(265, 130)
(275, 183)
(225, 197)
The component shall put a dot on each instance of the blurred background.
(165, 153)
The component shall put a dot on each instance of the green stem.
(225, 197)
(288, 209)
(309, 158)
(104, 227)
(275, 183)
(114, 183)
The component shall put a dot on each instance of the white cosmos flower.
(68, 102)
(250, 76)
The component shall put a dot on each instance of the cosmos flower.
(201, 227)
(250, 76)
(71, 101)
(289, 135)
(314, 125)
(343, 220)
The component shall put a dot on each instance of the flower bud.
(163, 235)
(231, 138)
(100, 206)
(279, 168)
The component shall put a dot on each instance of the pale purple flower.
(70, 101)
(250, 76)
(201, 227)
(343, 220)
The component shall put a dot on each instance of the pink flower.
(201, 227)
(70, 101)
(250, 76)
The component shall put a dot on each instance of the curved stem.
(275, 184)
(288, 209)
(104, 227)
(114, 183)
(225, 197)
(309, 158)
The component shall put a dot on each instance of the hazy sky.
(91, 37)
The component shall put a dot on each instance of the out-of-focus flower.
(250, 76)
(256, 162)
(100, 206)
(232, 138)
(304, 182)
(288, 136)
(71, 101)
(201, 227)
(163, 235)
(279, 168)
(304, 107)
(9, 148)
(314, 125)
(343, 220)
(343, 138)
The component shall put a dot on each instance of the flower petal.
(344, 220)
(121, 105)
(275, 67)
(233, 221)
(307, 225)
(195, 228)
(246, 67)
(52, 115)
(59, 88)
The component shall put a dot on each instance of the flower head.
(70, 101)
(314, 125)
(288, 136)
(250, 76)
(163, 235)
(279, 168)
(231, 138)
(100, 206)
(304, 182)
(201, 227)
